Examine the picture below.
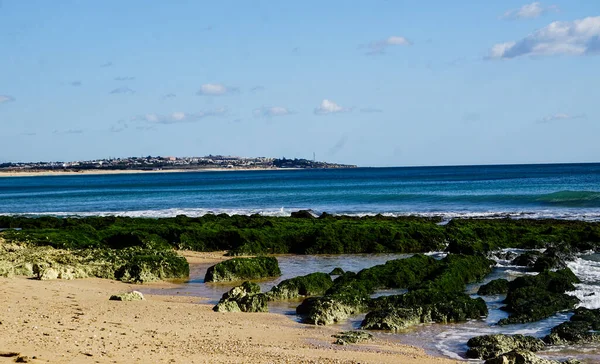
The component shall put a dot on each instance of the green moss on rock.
(351, 337)
(495, 287)
(491, 346)
(313, 284)
(239, 269)
(583, 328)
(243, 298)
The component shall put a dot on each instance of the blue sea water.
(563, 191)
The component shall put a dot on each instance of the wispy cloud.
(329, 107)
(215, 89)
(75, 83)
(125, 78)
(122, 90)
(559, 117)
(69, 131)
(257, 89)
(272, 111)
(29, 134)
(381, 46)
(529, 11)
(107, 64)
(575, 38)
(6, 98)
(120, 126)
(178, 117)
(169, 96)
(339, 145)
(370, 110)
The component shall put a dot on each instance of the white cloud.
(272, 111)
(380, 46)
(178, 117)
(529, 11)
(6, 98)
(329, 107)
(215, 89)
(560, 117)
(579, 37)
(122, 90)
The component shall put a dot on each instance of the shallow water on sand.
(437, 339)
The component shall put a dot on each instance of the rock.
(495, 287)
(352, 337)
(309, 285)
(47, 274)
(527, 259)
(491, 346)
(329, 310)
(504, 255)
(581, 329)
(336, 272)
(303, 214)
(23, 359)
(552, 259)
(533, 298)
(129, 296)
(392, 320)
(522, 357)
(243, 298)
(239, 269)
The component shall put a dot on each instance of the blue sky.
(374, 83)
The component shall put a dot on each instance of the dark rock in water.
(336, 272)
(313, 284)
(553, 259)
(533, 298)
(244, 298)
(491, 346)
(238, 269)
(581, 329)
(524, 357)
(504, 255)
(303, 214)
(352, 337)
(422, 306)
(495, 287)
(527, 259)
(325, 215)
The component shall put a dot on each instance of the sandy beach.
(74, 322)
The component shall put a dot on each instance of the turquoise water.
(564, 191)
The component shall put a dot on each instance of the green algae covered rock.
(527, 259)
(243, 298)
(329, 310)
(336, 272)
(524, 357)
(491, 346)
(313, 284)
(581, 329)
(533, 298)
(239, 269)
(495, 287)
(129, 296)
(351, 337)
(393, 319)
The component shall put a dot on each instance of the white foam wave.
(588, 291)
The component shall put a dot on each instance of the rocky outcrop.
(495, 287)
(239, 269)
(243, 298)
(527, 259)
(491, 346)
(352, 337)
(309, 285)
(129, 296)
(581, 329)
(422, 306)
(336, 272)
(524, 357)
(533, 298)
(329, 310)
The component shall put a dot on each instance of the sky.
(372, 83)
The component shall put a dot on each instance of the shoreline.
(73, 321)
(131, 171)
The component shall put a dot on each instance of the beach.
(73, 321)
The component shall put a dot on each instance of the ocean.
(570, 191)
(567, 191)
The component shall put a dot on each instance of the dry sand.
(74, 322)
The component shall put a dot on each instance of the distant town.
(169, 163)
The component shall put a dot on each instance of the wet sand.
(74, 322)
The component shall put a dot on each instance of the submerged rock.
(239, 269)
(491, 346)
(581, 329)
(552, 259)
(352, 337)
(527, 259)
(533, 298)
(129, 296)
(524, 357)
(243, 298)
(495, 287)
(313, 284)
